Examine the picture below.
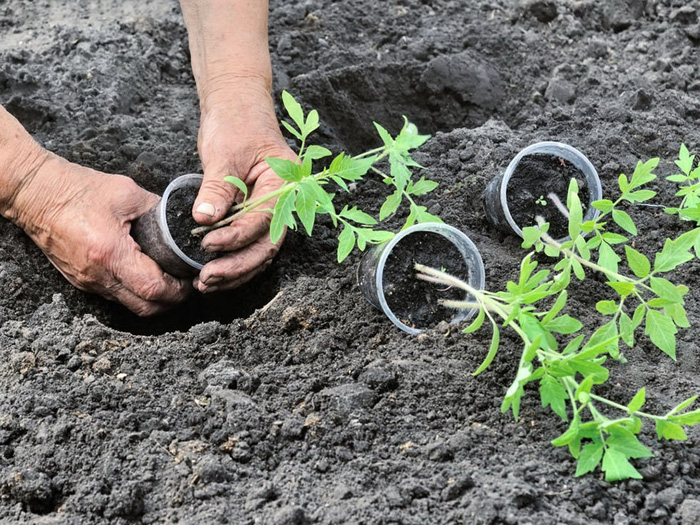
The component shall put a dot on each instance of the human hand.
(238, 130)
(80, 218)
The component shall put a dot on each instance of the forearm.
(20, 160)
(228, 45)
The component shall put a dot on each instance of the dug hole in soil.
(292, 400)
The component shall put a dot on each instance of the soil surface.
(414, 302)
(292, 400)
(539, 187)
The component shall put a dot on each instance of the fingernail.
(211, 248)
(206, 209)
(211, 289)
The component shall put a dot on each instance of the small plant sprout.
(567, 361)
(541, 201)
(303, 195)
(689, 182)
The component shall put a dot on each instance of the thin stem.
(624, 408)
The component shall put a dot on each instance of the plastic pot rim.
(477, 277)
(553, 148)
(175, 184)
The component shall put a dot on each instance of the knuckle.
(153, 290)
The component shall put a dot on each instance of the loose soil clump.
(178, 215)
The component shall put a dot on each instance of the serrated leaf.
(643, 173)
(617, 467)
(607, 258)
(384, 135)
(685, 160)
(282, 216)
(422, 187)
(317, 152)
(603, 205)
(409, 138)
(390, 205)
(306, 207)
(640, 195)
(637, 262)
(625, 442)
(666, 290)
(662, 332)
(624, 221)
(285, 169)
(357, 216)
(554, 395)
(293, 109)
(346, 242)
(564, 324)
(670, 431)
(589, 458)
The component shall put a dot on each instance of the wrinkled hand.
(236, 134)
(80, 218)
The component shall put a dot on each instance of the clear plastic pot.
(152, 233)
(496, 203)
(370, 273)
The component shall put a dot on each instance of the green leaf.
(292, 130)
(346, 242)
(624, 441)
(637, 402)
(637, 262)
(670, 431)
(282, 216)
(493, 349)
(385, 136)
(422, 187)
(666, 290)
(614, 238)
(357, 216)
(409, 138)
(624, 221)
(688, 418)
(606, 307)
(640, 195)
(390, 205)
(623, 288)
(285, 169)
(662, 332)
(293, 109)
(603, 205)
(238, 183)
(554, 395)
(673, 254)
(643, 173)
(570, 435)
(311, 123)
(626, 329)
(617, 467)
(476, 323)
(317, 152)
(564, 324)
(575, 210)
(683, 404)
(306, 207)
(589, 459)
(607, 258)
(557, 307)
(685, 160)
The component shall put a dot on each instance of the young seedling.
(689, 182)
(569, 366)
(541, 201)
(303, 195)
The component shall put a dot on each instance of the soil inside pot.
(178, 214)
(530, 191)
(417, 303)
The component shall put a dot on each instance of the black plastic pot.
(371, 271)
(495, 195)
(152, 233)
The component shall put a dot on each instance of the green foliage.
(567, 365)
(304, 195)
(689, 182)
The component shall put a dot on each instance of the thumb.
(215, 197)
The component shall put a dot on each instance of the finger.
(234, 269)
(136, 304)
(251, 226)
(140, 275)
(215, 196)
(239, 234)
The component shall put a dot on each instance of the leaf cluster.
(305, 194)
(567, 365)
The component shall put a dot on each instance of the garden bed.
(292, 400)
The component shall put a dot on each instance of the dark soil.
(178, 215)
(414, 302)
(533, 182)
(293, 400)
